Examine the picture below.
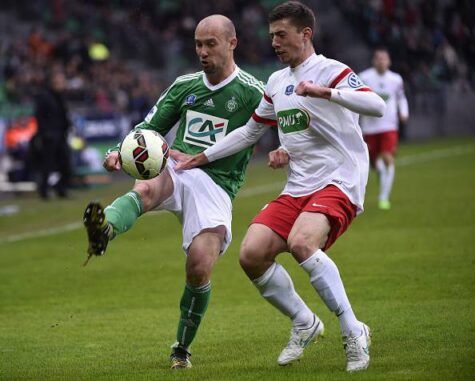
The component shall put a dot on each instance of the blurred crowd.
(111, 52)
(432, 42)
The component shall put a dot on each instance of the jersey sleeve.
(342, 77)
(265, 113)
(165, 113)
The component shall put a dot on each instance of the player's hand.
(278, 158)
(307, 88)
(178, 156)
(192, 161)
(111, 162)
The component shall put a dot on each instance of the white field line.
(401, 162)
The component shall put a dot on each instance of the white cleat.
(357, 350)
(299, 339)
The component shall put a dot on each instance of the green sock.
(123, 212)
(193, 305)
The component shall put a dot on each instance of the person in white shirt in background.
(314, 102)
(381, 134)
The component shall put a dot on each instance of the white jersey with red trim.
(390, 87)
(323, 139)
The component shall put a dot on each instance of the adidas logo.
(209, 103)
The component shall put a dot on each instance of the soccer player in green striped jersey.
(207, 106)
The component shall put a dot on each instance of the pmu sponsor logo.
(204, 130)
(293, 120)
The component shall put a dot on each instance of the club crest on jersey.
(289, 90)
(231, 105)
(190, 99)
(354, 81)
(204, 130)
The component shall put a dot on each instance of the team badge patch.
(289, 90)
(190, 99)
(354, 81)
(231, 105)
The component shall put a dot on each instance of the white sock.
(325, 278)
(277, 288)
(386, 179)
(387, 183)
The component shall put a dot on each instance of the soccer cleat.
(299, 339)
(180, 357)
(357, 350)
(384, 205)
(99, 231)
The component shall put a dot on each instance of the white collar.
(222, 83)
(311, 59)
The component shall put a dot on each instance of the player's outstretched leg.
(99, 231)
(325, 278)
(103, 224)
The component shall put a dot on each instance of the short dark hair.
(299, 14)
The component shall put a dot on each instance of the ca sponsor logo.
(293, 120)
(204, 130)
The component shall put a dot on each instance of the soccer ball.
(143, 154)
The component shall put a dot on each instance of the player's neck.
(221, 75)
(381, 72)
(307, 53)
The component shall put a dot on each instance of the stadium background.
(414, 279)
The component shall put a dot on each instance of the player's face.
(381, 61)
(288, 42)
(214, 49)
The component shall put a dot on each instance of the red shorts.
(280, 214)
(382, 142)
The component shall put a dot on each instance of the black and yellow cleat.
(98, 229)
(180, 358)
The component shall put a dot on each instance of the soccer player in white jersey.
(381, 134)
(314, 103)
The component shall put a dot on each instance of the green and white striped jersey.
(206, 113)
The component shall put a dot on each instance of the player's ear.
(233, 43)
(307, 33)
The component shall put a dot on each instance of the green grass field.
(409, 273)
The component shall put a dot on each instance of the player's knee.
(198, 273)
(249, 257)
(302, 246)
(388, 158)
(144, 189)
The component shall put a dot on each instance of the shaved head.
(215, 41)
(218, 24)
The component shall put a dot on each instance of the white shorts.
(199, 203)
